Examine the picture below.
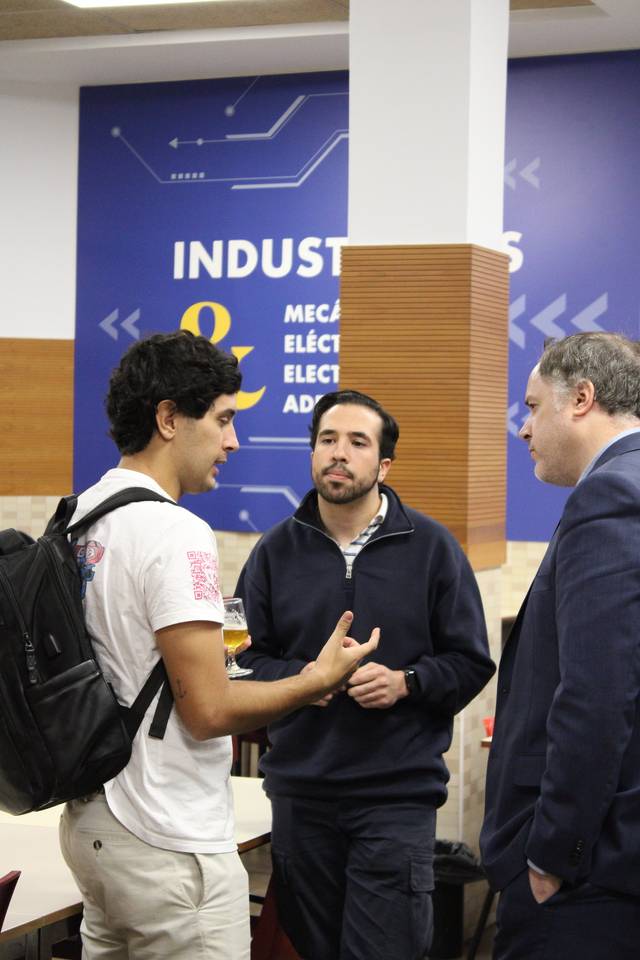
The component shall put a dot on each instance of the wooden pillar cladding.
(36, 395)
(424, 330)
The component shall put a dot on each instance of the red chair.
(7, 886)
(259, 737)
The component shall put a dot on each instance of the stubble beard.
(343, 493)
(556, 477)
(555, 469)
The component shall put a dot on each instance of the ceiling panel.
(35, 19)
(251, 13)
(51, 41)
(55, 23)
(548, 4)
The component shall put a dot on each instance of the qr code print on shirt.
(204, 575)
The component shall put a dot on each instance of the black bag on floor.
(455, 862)
(62, 731)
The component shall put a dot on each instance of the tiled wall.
(523, 559)
(233, 550)
(461, 816)
(29, 514)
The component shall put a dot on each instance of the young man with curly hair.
(154, 854)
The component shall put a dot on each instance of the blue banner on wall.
(572, 197)
(219, 206)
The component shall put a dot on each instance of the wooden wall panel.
(424, 330)
(36, 396)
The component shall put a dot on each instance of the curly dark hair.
(181, 367)
(389, 432)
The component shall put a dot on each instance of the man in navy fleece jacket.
(356, 778)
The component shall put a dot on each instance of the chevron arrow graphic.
(586, 319)
(528, 173)
(544, 320)
(108, 322)
(129, 324)
(508, 170)
(512, 413)
(515, 310)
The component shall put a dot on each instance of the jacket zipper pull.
(32, 665)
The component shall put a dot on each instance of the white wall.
(38, 187)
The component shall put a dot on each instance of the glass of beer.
(235, 633)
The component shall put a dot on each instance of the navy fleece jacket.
(413, 581)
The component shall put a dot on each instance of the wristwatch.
(413, 684)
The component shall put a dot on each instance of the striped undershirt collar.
(351, 551)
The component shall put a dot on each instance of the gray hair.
(610, 361)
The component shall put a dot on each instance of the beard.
(345, 492)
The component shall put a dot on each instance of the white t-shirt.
(146, 566)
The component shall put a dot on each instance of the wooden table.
(46, 905)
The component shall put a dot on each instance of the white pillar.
(426, 162)
(427, 104)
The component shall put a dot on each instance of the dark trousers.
(353, 880)
(582, 922)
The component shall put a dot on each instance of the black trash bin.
(454, 865)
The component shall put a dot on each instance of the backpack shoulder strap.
(64, 511)
(120, 499)
(134, 715)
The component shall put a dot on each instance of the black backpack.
(62, 731)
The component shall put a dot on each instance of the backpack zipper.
(29, 649)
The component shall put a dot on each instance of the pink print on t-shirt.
(204, 575)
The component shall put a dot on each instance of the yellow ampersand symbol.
(221, 327)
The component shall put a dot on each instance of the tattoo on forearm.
(180, 689)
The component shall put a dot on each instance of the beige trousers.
(146, 903)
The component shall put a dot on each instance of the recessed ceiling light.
(91, 4)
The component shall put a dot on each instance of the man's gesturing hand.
(323, 701)
(341, 654)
